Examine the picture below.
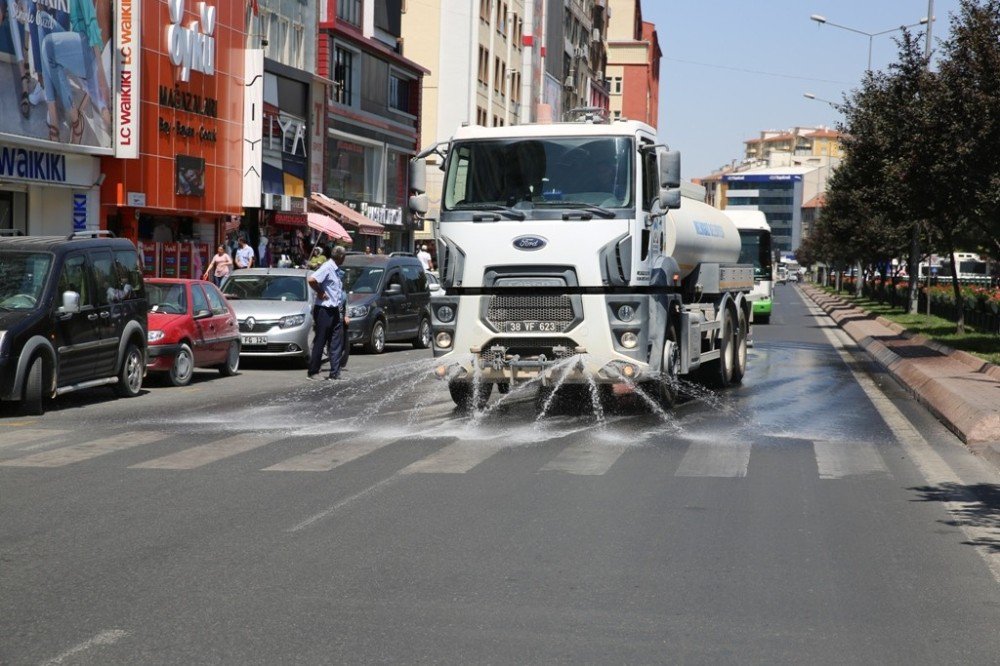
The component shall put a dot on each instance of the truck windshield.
(22, 279)
(549, 172)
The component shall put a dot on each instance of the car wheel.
(32, 401)
(423, 340)
(130, 375)
(376, 343)
(232, 364)
(183, 366)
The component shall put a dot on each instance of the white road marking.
(331, 456)
(199, 456)
(19, 437)
(75, 453)
(835, 460)
(585, 459)
(456, 458)
(932, 467)
(109, 637)
(370, 490)
(716, 459)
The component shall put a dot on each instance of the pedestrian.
(317, 259)
(328, 315)
(219, 267)
(244, 255)
(425, 258)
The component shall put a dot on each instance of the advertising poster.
(169, 259)
(150, 256)
(58, 85)
(185, 261)
(190, 176)
(199, 259)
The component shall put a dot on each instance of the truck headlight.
(446, 314)
(443, 340)
(292, 320)
(154, 336)
(629, 340)
(358, 311)
(626, 313)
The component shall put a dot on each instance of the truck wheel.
(130, 375)
(719, 373)
(666, 387)
(463, 394)
(33, 399)
(740, 350)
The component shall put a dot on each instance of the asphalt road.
(815, 514)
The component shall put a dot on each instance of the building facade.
(372, 119)
(633, 68)
(575, 56)
(183, 115)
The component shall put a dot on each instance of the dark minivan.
(72, 316)
(388, 300)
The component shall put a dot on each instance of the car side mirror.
(394, 289)
(70, 302)
(202, 314)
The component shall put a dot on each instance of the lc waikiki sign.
(128, 22)
(193, 46)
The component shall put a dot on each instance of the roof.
(779, 137)
(823, 134)
(775, 171)
(615, 128)
(379, 259)
(165, 280)
(294, 272)
(817, 201)
(53, 243)
(346, 215)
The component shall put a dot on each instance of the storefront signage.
(191, 47)
(127, 48)
(385, 215)
(28, 164)
(187, 131)
(136, 199)
(79, 211)
(175, 98)
(764, 178)
(253, 103)
(288, 132)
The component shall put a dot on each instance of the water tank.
(697, 233)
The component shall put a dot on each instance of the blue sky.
(731, 68)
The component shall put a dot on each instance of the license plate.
(532, 327)
(254, 340)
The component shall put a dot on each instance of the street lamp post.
(822, 20)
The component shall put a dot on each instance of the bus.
(755, 238)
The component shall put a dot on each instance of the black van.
(388, 300)
(72, 316)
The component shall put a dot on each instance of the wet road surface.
(813, 514)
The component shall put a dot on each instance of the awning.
(346, 215)
(328, 226)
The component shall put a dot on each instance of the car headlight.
(629, 340)
(358, 311)
(155, 336)
(446, 314)
(292, 320)
(626, 313)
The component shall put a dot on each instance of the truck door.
(76, 333)
(649, 232)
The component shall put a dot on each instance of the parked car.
(190, 326)
(434, 284)
(273, 309)
(72, 316)
(388, 301)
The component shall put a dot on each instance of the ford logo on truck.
(530, 243)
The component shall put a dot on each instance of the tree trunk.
(957, 291)
(859, 281)
(913, 268)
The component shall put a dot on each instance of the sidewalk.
(960, 389)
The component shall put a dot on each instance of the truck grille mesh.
(505, 309)
(528, 348)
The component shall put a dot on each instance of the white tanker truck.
(569, 255)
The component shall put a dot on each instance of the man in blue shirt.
(328, 318)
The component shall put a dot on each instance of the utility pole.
(914, 267)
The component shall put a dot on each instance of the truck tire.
(665, 390)
(464, 394)
(740, 349)
(719, 373)
(33, 398)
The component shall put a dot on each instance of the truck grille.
(504, 309)
(554, 349)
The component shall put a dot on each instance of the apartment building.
(633, 69)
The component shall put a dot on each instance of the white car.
(434, 284)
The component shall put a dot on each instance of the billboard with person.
(60, 81)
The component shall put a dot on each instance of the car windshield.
(266, 287)
(22, 279)
(550, 172)
(167, 298)
(363, 279)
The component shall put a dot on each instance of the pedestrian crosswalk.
(584, 453)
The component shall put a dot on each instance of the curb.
(959, 389)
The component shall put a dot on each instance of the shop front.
(366, 234)
(181, 195)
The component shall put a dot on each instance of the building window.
(616, 85)
(497, 74)
(355, 171)
(484, 66)
(343, 76)
(484, 11)
(349, 11)
(400, 94)
(481, 116)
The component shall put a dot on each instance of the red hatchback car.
(190, 326)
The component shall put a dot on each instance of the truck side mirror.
(418, 175)
(670, 198)
(419, 204)
(70, 302)
(669, 165)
